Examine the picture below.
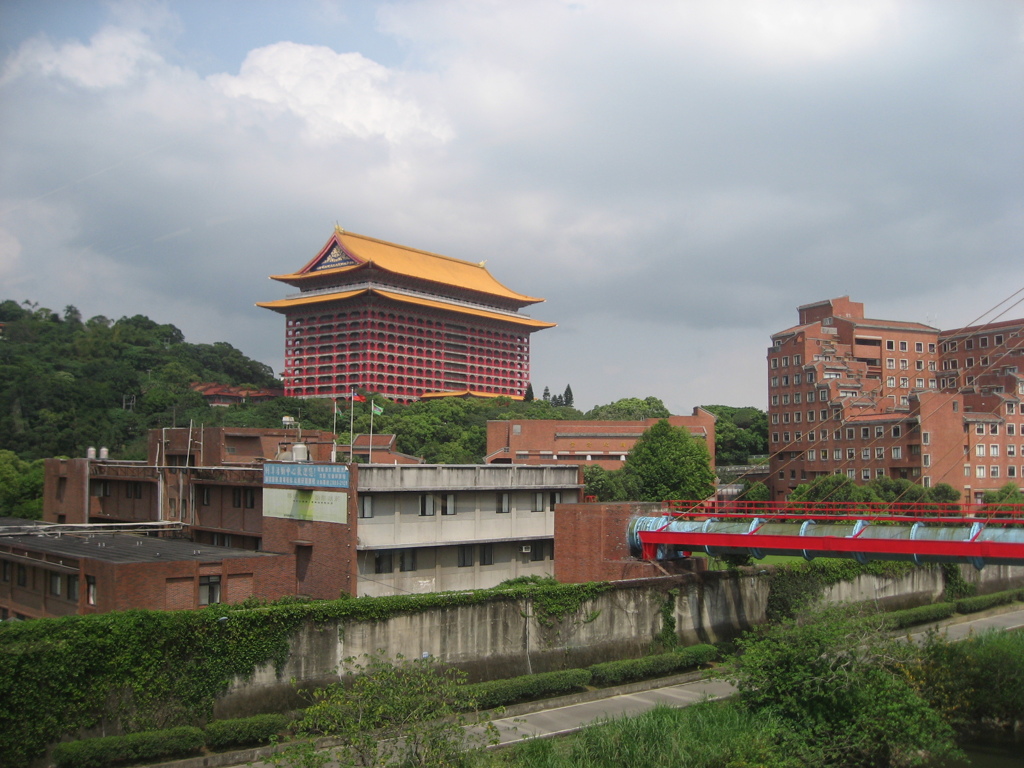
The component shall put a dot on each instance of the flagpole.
(370, 460)
(334, 429)
(351, 423)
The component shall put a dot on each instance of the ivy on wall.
(140, 670)
(793, 586)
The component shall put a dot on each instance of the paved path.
(566, 719)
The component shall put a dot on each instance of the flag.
(357, 398)
(376, 409)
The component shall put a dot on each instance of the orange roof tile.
(403, 260)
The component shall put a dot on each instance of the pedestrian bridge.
(920, 533)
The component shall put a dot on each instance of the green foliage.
(66, 385)
(152, 669)
(922, 614)
(603, 484)
(630, 409)
(796, 586)
(1005, 498)
(667, 637)
(660, 665)
(709, 735)
(667, 463)
(756, 491)
(984, 602)
(144, 747)
(836, 687)
(244, 731)
(836, 488)
(956, 586)
(401, 713)
(739, 433)
(499, 693)
(21, 487)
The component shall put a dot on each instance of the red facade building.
(884, 398)
(402, 322)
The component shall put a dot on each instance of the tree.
(667, 463)
(835, 488)
(21, 487)
(630, 409)
(410, 712)
(528, 395)
(567, 397)
(1009, 494)
(837, 689)
(754, 491)
(547, 394)
(739, 433)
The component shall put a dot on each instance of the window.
(811, 455)
(810, 415)
(897, 452)
(55, 583)
(897, 431)
(407, 560)
(538, 502)
(851, 473)
(775, 399)
(890, 344)
(979, 449)
(993, 449)
(903, 346)
(501, 503)
(849, 433)
(250, 498)
(919, 346)
(1011, 450)
(785, 362)
(382, 562)
(865, 474)
(366, 506)
(236, 498)
(865, 433)
(993, 471)
(851, 454)
(904, 382)
(204, 495)
(993, 429)
(537, 551)
(785, 399)
(426, 505)
(785, 381)
(865, 454)
(209, 590)
(979, 471)
(998, 339)
(796, 378)
(90, 590)
(890, 381)
(465, 555)
(448, 504)
(983, 341)
(6, 571)
(926, 438)
(926, 460)
(22, 576)
(486, 554)
(890, 363)
(73, 588)
(879, 453)
(775, 362)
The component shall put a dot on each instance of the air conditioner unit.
(525, 549)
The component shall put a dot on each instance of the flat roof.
(116, 547)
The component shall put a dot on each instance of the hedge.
(984, 602)
(923, 614)
(142, 747)
(496, 693)
(244, 731)
(628, 670)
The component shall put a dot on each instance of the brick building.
(386, 318)
(885, 398)
(262, 513)
(604, 443)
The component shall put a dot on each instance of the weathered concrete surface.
(505, 639)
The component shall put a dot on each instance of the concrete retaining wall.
(505, 639)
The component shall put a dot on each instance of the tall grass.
(710, 735)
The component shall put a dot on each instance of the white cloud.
(114, 57)
(336, 95)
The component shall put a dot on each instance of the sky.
(674, 178)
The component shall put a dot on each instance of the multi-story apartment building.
(870, 398)
(403, 322)
(221, 515)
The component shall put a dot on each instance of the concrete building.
(872, 398)
(387, 318)
(246, 513)
(604, 443)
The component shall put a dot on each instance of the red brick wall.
(591, 543)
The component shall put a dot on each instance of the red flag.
(358, 398)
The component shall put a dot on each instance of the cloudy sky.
(673, 177)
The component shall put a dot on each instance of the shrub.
(245, 731)
(923, 614)
(496, 693)
(628, 670)
(142, 747)
(984, 602)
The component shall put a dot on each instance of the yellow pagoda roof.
(319, 298)
(348, 251)
(465, 393)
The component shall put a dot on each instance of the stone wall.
(505, 639)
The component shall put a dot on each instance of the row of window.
(57, 584)
(431, 504)
(838, 435)
(796, 379)
(467, 556)
(992, 449)
(951, 346)
(992, 471)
